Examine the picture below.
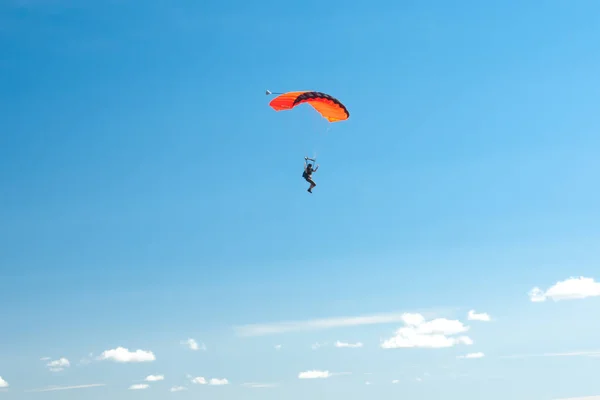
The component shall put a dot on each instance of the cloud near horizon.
(569, 289)
(193, 345)
(437, 333)
(54, 388)
(472, 355)
(314, 374)
(58, 365)
(3, 383)
(317, 374)
(123, 355)
(348, 345)
(139, 386)
(317, 324)
(592, 353)
(256, 385)
(473, 316)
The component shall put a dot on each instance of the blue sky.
(150, 196)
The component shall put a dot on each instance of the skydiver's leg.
(312, 184)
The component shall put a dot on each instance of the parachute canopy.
(329, 107)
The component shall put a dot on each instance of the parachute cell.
(328, 106)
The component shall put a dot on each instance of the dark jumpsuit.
(307, 174)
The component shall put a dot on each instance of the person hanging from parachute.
(308, 171)
(328, 106)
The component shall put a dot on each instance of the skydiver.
(307, 174)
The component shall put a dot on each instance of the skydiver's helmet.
(309, 166)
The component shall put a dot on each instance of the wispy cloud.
(317, 324)
(139, 386)
(193, 345)
(395, 381)
(348, 345)
(218, 382)
(592, 353)
(154, 378)
(569, 289)
(316, 346)
(277, 347)
(58, 365)
(437, 333)
(473, 316)
(53, 388)
(199, 380)
(3, 383)
(87, 360)
(473, 355)
(256, 385)
(178, 389)
(123, 355)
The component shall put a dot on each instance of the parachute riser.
(314, 161)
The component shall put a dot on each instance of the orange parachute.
(329, 107)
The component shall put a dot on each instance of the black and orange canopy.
(328, 106)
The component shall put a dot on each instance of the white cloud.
(473, 316)
(592, 353)
(314, 374)
(123, 355)
(316, 324)
(53, 388)
(199, 380)
(395, 381)
(58, 365)
(569, 289)
(178, 389)
(193, 345)
(367, 383)
(277, 347)
(154, 378)
(316, 346)
(348, 345)
(3, 383)
(436, 333)
(473, 355)
(218, 382)
(255, 385)
(139, 386)
(536, 295)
